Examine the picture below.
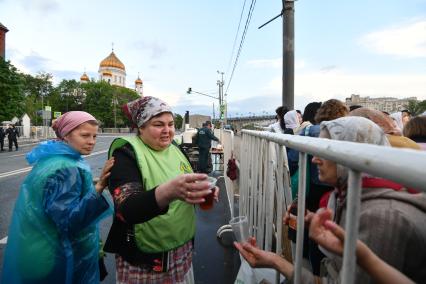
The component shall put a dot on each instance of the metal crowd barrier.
(264, 178)
(227, 139)
(264, 189)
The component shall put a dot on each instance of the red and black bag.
(231, 171)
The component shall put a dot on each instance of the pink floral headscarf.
(143, 109)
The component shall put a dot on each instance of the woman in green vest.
(154, 192)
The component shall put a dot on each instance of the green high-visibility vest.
(177, 226)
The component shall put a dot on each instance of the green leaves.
(23, 93)
(11, 92)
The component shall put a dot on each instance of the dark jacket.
(12, 133)
(2, 134)
(205, 137)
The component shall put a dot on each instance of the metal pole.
(288, 54)
(115, 113)
(300, 217)
(351, 227)
(226, 110)
(220, 84)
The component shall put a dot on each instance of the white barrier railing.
(263, 157)
(228, 143)
(227, 140)
(264, 189)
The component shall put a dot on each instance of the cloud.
(34, 62)
(273, 63)
(408, 40)
(266, 63)
(339, 84)
(157, 50)
(42, 6)
(328, 68)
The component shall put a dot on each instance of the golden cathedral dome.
(112, 61)
(138, 81)
(84, 77)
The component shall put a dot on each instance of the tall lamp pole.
(222, 102)
(288, 52)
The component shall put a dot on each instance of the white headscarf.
(353, 129)
(397, 117)
(291, 119)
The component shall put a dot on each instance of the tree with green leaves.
(37, 91)
(11, 92)
(416, 107)
(67, 96)
(104, 102)
(178, 121)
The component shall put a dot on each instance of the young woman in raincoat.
(53, 235)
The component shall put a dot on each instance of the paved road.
(213, 263)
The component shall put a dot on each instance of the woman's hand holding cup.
(191, 188)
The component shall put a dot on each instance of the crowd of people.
(392, 216)
(54, 234)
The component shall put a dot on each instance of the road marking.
(16, 155)
(96, 153)
(27, 169)
(15, 172)
(3, 241)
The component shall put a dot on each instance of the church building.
(113, 71)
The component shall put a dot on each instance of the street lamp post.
(189, 91)
(114, 101)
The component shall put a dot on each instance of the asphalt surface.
(214, 261)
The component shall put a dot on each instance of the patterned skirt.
(180, 269)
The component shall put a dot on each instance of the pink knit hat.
(69, 121)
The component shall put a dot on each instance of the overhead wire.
(236, 36)
(249, 16)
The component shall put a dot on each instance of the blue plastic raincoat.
(53, 236)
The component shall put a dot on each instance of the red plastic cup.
(208, 203)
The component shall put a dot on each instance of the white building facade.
(387, 104)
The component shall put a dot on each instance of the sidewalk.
(214, 262)
(22, 142)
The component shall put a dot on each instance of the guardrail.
(263, 177)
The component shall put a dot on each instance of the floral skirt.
(180, 269)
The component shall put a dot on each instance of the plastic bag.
(231, 170)
(249, 275)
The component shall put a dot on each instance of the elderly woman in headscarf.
(292, 120)
(401, 118)
(154, 191)
(388, 125)
(53, 236)
(392, 222)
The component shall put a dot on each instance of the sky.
(371, 48)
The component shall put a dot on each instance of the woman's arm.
(331, 236)
(134, 204)
(263, 259)
(64, 203)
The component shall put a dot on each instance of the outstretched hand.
(255, 256)
(327, 233)
(103, 179)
